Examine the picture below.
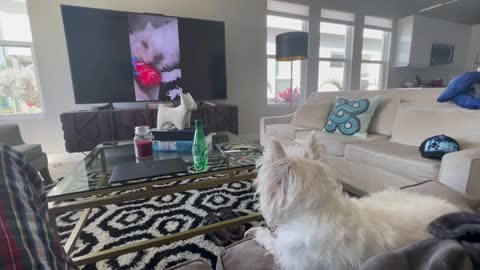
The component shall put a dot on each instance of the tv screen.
(120, 56)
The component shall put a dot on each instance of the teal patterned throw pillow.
(352, 117)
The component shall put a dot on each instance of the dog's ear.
(313, 149)
(149, 27)
(277, 151)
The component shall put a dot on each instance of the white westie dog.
(318, 227)
(159, 46)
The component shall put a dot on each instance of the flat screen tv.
(120, 56)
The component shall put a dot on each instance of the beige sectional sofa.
(389, 156)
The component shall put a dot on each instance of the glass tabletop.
(94, 171)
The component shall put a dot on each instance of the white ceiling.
(463, 11)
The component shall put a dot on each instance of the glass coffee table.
(87, 187)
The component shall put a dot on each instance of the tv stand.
(107, 107)
(83, 130)
(209, 103)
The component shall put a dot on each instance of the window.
(289, 8)
(375, 53)
(337, 64)
(336, 37)
(19, 91)
(340, 58)
(278, 73)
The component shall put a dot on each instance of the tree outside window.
(19, 90)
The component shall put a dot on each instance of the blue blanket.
(455, 245)
(459, 89)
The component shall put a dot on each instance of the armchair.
(265, 121)
(10, 135)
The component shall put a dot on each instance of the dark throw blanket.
(455, 245)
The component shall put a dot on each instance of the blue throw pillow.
(459, 85)
(352, 117)
(467, 101)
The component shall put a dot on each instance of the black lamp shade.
(292, 46)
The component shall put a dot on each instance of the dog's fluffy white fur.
(159, 46)
(318, 227)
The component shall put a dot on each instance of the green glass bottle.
(200, 148)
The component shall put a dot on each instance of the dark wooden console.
(83, 130)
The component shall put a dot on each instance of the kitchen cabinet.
(416, 35)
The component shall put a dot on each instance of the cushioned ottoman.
(245, 255)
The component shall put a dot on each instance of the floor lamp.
(292, 46)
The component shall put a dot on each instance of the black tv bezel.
(223, 97)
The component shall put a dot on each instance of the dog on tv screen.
(155, 48)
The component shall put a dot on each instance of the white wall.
(246, 59)
(382, 8)
(473, 48)
(399, 9)
(437, 31)
(245, 42)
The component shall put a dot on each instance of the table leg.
(98, 201)
(104, 164)
(72, 239)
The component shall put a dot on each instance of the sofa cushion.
(382, 121)
(414, 123)
(313, 116)
(335, 143)
(303, 135)
(396, 158)
(245, 255)
(284, 131)
(442, 191)
(29, 151)
(352, 117)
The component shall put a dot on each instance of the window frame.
(358, 22)
(303, 64)
(386, 52)
(348, 60)
(27, 115)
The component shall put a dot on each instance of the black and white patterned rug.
(117, 225)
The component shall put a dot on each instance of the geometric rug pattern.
(120, 224)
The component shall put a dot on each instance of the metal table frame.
(101, 197)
